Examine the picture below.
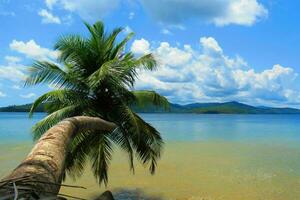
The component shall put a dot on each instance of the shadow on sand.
(133, 194)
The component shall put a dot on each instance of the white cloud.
(13, 70)
(32, 50)
(16, 87)
(12, 59)
(174, 12)
(87, 9)
(50, 3)
(166, 32)
(187, 75)
(173, 56)
(141, 46)
(48, 17)
(68, 19)
(2, 94)
(240, 12)
(12, 73)
(209, 44)
(28, 96)
(131, 15)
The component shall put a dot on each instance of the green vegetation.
(95, 77)
(219, 108)
(201, 108)
(21, 108)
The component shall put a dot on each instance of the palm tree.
(39, 175)
(95, 77)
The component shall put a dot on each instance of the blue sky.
(208, 50)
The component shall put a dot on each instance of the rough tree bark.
(45, 164)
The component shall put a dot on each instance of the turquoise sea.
(15, 127)
(206, 157)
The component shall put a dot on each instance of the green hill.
(201, 108)
(220, 108)
(20, 108)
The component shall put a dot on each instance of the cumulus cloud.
(141, 46)
(172, 55)
(12, 59)
(166, 31)
(13, 70)
(87, 9)
(28, 96)
(131, 15)
(32, 50)
(16, 87)
(50, 3)
(187, 74)
(241, 12)
(174, 12)
(48, 17)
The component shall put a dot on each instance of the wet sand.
(194, 171)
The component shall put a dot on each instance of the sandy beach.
(193, 171)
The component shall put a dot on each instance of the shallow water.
(206, 157)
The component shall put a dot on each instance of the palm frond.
(96, 30)
(145, 98)
(110, 43)
(79, 150)
(73, 49)
(147, 62)
(60, 97)
(122, 139)
(146, 140)
(43, 72)
(42, 126)
(106, 73)
(117, 50)
(100, 156)
(129, 67)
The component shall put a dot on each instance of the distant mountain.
(220, 108)
(201, 108)
(21, 108)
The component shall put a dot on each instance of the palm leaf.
(122, 139)
(100, 156)
(43, 72)
(116, 51)
(73, 49)
(59, 97)
(145, 139)
(78, 154)
(42, 126)
(146, 98)
(106, 73)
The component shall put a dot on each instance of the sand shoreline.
(194, 170)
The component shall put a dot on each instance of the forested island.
(200, 108)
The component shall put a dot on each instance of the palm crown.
(95, 77)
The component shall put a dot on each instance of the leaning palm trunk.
(41, 172)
